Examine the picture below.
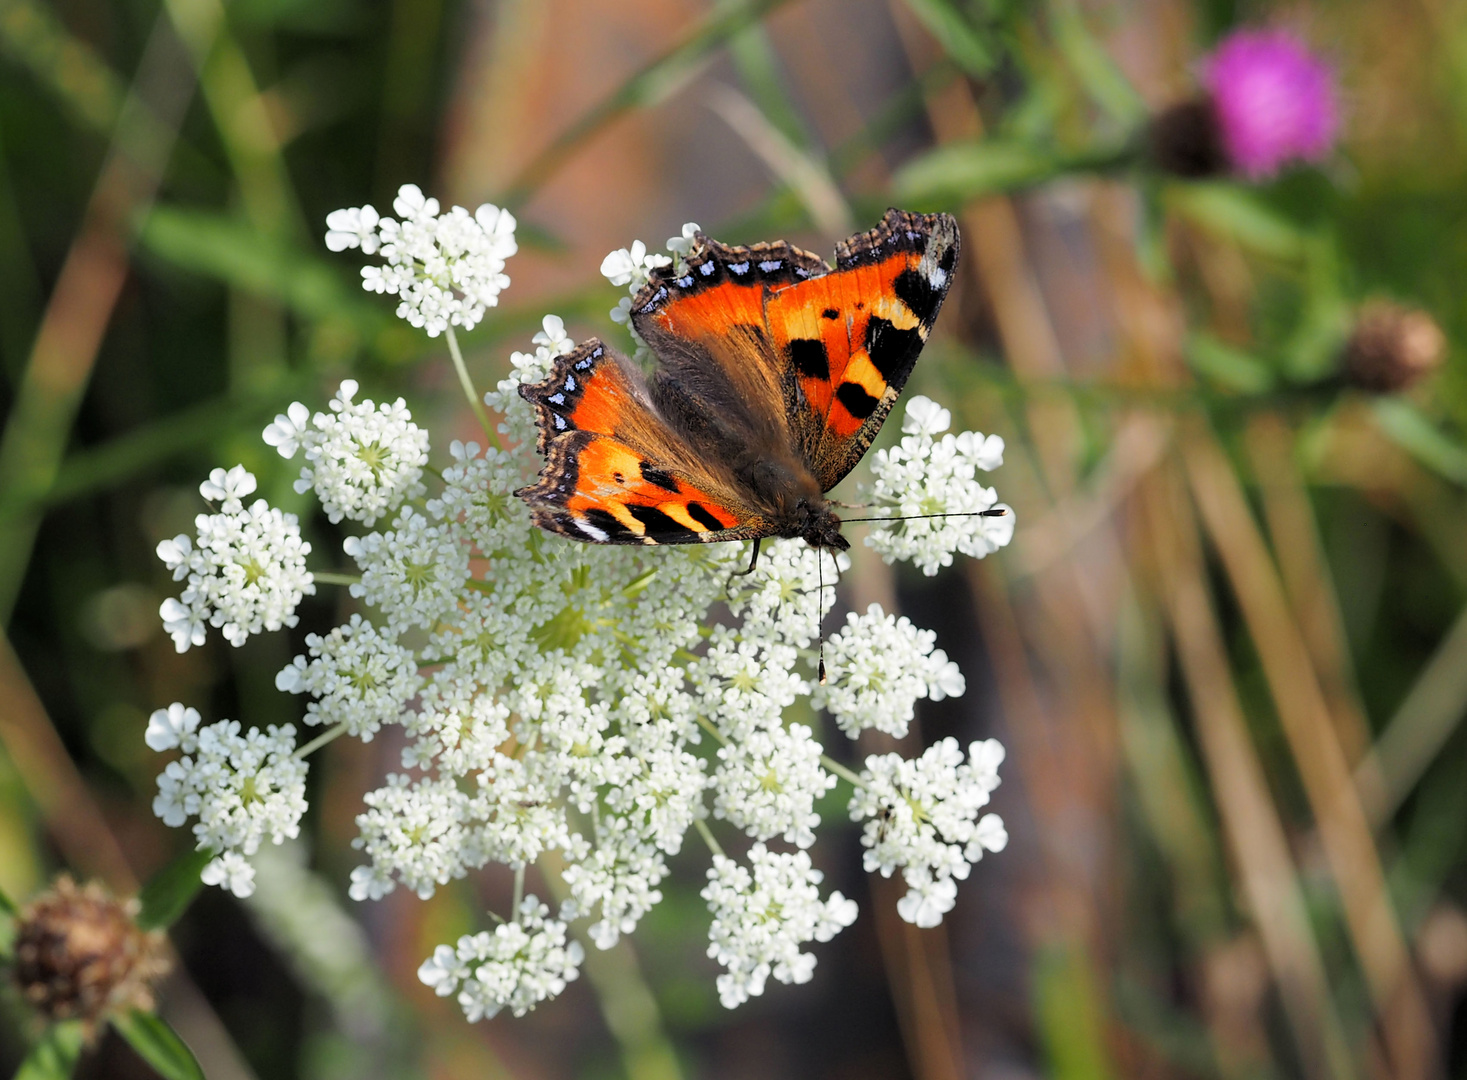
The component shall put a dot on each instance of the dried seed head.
(79, 954)
(1185, 140)
(1391, 347)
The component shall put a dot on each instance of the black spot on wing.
(808, 356)
(703, 517)
(653, 475)
(857, 402)
(893, 351)
(659, 526)
(615, 531)
(830, 313)
(914, 290)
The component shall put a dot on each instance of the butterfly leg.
(753, 562)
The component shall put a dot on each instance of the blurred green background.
(1227, 650)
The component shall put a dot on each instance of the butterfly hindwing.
(615, 471)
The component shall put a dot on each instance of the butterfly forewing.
(853, 335)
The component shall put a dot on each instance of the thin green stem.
(320, 740)
(519, 891)
(708, 726)
(708, 838)
(330, 577)
(840, 770)
(475, 401)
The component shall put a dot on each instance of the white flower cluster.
(762, 914)
(588, 704)
(932, 482)
(922, 816)
(445, 269)
(246, 570)
(356, 676)
(634, 265)
(515, 967)
(241, 788)
(885, 665)
(362, 460)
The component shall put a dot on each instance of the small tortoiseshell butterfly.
(776, 372)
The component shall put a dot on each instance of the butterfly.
(775, 372)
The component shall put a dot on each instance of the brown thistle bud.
(1391, 347)
(1186, 140)
(79, 954)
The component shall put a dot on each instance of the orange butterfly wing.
(615, 472)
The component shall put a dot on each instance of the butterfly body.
(775, 373)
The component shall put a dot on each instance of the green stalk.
(475, 401)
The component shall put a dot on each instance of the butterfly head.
(819, 526)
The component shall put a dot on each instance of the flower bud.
(1391, 347)
(1184, 140)
(79, 954)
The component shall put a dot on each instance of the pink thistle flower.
(1275, 101)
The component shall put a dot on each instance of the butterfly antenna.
(819, 604)
(997, 511)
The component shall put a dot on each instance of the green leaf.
(1413, 432)
(1069, 1014)
(1228, 366)
(169, 891)
(959, 171)
(1239, 215)
(158, 1045)
(7, 906)
(1097, 72)
(231, 250)
(54, 1057)
(972, 47)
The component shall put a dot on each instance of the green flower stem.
(707, 725)
(519, 892)
(475, 401)
(840, 770)
(319, 741)
(329, 577)
(708, 838)
(626, 1001)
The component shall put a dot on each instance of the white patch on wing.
(589, 529)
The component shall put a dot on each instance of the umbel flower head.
(80, 955)
(587, 707)
(1269, 102)
(445, 269)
